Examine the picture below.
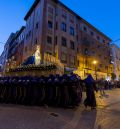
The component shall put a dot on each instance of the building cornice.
(60, 3)
(31, 9)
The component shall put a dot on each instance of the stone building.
(115, 54)
(64, 34)
(58, 31)
(20, 46)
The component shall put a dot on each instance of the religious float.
(33, 66)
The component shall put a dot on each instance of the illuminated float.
(33, 66)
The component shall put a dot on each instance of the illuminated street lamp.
(95, 62)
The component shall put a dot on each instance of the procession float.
(33, 66)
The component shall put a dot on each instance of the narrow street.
(107, 116)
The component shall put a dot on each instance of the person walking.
(90, 95)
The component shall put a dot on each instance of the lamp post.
(95, 62)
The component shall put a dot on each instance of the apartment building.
(20, 46)
(64, 34)
(115, 54)
(58, 31)
(93, 47)
(2, 63)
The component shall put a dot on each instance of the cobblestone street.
(107, 116)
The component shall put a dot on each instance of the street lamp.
(95, 62)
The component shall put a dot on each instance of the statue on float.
(37, 56)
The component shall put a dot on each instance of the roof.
(83, 19)
(58, 2)
(20, 31)
(31, 9)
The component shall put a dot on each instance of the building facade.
(115, 54)
(58, 31)
(20, 46)
(5, 53)
(2, 61)
(62, 33)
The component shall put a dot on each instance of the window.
(98, 46)
(77, 50)
(71, 18)
(106, 67)
(105, 58)
(72, 45)
(64, 14)
(26, 48)
(72, 60)
(29, 33)
(85, 39)
(91, 33)
(93, 52)
(85, 29)
(78, 62)
(55, 40)
(63, 27)
(50, 25)
(56, 12)
(56, 25)
(77, 37)
(64, 58)
(50, 10)
(98, 37)
(36, 26)
(64, 42)
(103, 41)
(71, 31)
(100, 65)
(49, 53)
(49, 39)
(86, 51)
(26, 36)
(36, 42)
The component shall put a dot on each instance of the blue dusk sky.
(103, 14)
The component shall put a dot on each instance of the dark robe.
(90, 87)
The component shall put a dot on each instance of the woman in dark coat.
(90, 87)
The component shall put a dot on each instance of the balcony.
(86, 43)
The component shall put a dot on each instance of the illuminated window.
(64, 58)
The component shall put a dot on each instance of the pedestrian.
(102, 87)
(90, 87)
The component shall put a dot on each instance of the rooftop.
(60, 3)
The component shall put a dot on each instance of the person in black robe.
(90, 87)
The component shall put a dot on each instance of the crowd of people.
(100, 85)
(55, 90)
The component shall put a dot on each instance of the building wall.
(2, 62)
(63, 34)
(33, 31)
(85, 37)
(20, 47)
(50, 22)
(59, 15)
(115, 51)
